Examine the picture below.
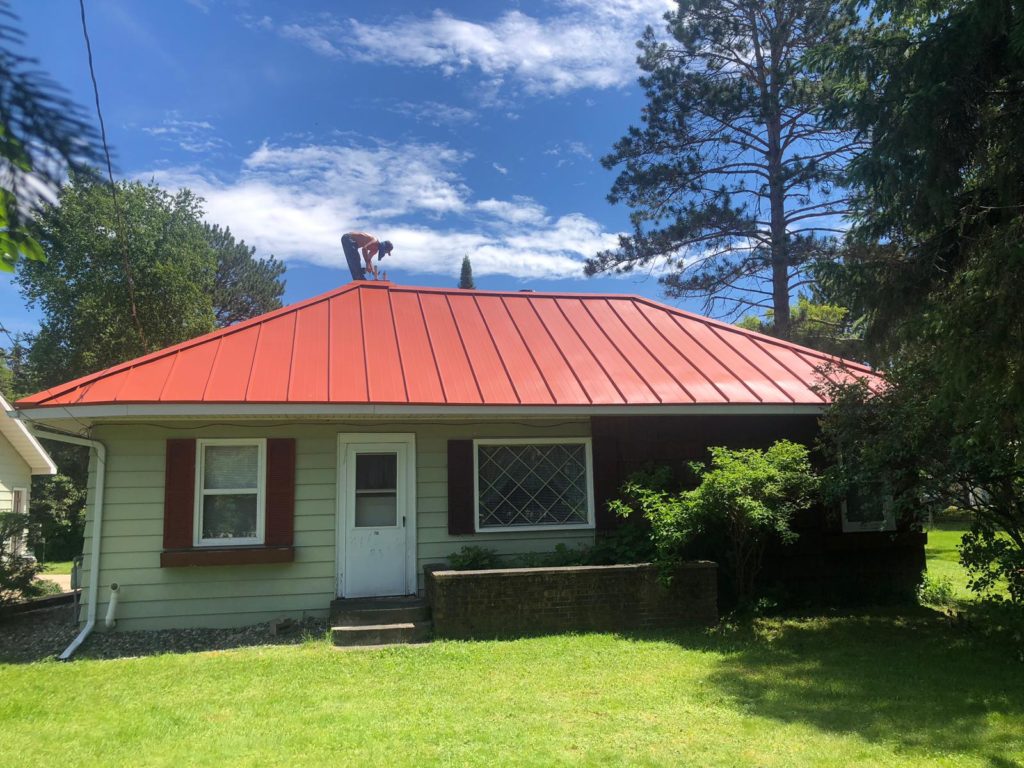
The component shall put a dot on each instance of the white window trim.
(887, 524)
(261, 482)
(24, 500)
(588, 450)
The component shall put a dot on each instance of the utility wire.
(121, 231)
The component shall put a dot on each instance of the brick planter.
(603, 598)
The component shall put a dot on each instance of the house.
(21, 457)
(337, 446)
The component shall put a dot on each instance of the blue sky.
(448, 128)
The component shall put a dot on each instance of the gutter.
(97, 528)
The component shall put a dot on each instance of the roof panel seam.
(791, 372)
(753, 365)
(497, 352)
(651, 354)
(362, 339)
(533, 358)
(683, 355)
(597, 360)
(213, 365)
(465, 351)
(398, 349)
(430, 344)
(252, 362)
(614, 346)
(561, 352)
(684, 329)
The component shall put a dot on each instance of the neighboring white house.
(21, 456)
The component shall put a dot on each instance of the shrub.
(473, 558)
(745, 501)
(16, 570)
(42, 588)
(937, 591)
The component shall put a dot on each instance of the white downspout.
(97, 528)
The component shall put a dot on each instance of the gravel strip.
(44, 634)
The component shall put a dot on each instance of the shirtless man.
(354, 242)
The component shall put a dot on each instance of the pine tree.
(733, 178)
(466, 278)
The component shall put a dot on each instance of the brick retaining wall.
(529, 601)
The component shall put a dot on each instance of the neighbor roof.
(24, 443)
(370, 343)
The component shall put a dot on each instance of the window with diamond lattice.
(526, 485)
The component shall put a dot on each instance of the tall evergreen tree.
(937, 87)
(733, 178)
(466, 276)
(244, 285)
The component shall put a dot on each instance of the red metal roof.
(378, 343)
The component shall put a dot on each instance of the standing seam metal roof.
(374, 342)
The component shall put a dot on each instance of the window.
(229, 492)
(868, 508)
(376, 491)
(533, 484)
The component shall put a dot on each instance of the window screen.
(524, 485)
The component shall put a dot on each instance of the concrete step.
(381, 634)
(364, 612)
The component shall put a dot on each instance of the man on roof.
(354, 243)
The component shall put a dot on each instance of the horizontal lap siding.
(14, 473)
(154, 597)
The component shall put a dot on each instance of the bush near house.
(745, 501)
(17, 572)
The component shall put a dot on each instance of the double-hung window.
(868, 508)
(533, 484)
(230, 503)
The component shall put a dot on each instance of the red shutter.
(280, 492)
(179, 493)
(605, 452)
(460, 487)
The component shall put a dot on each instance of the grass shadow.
(909, 678)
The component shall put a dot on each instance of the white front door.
(376, 491)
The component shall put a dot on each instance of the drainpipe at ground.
(97, 526)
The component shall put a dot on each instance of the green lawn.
(58, 567)
(944, 557)
(858, 690)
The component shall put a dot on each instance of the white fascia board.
(24, 442)
(92, 413)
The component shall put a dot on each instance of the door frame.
(343, 510)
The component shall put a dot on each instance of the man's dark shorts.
(355, 265)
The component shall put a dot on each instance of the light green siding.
(154, 597)
(14, 473)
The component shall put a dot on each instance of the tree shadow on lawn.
(907, 678)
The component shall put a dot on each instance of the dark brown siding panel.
(280, 530)
(179, 493)
(460, 487)
(606, 468)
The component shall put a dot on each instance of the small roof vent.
(526, 290)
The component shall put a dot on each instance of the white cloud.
(432, 112)
(500, 169)
(295, 202)
(584, 44)
(195, 136)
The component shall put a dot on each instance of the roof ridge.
(219, 333)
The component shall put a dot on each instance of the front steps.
(379, 621)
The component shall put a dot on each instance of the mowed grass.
(854, 690)
(943, 555)
(59, 567)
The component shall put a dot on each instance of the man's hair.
(385, 248)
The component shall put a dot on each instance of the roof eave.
(24, 442)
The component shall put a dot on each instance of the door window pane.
(376, 499)
(376, 471)
(229, 516)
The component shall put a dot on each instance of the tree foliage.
(815, 324)
(733, 179)
(744, 502)
(17, 572)
(83, 289)
(244, 286)
(936, 87)
(42, 135)
(466, 275)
